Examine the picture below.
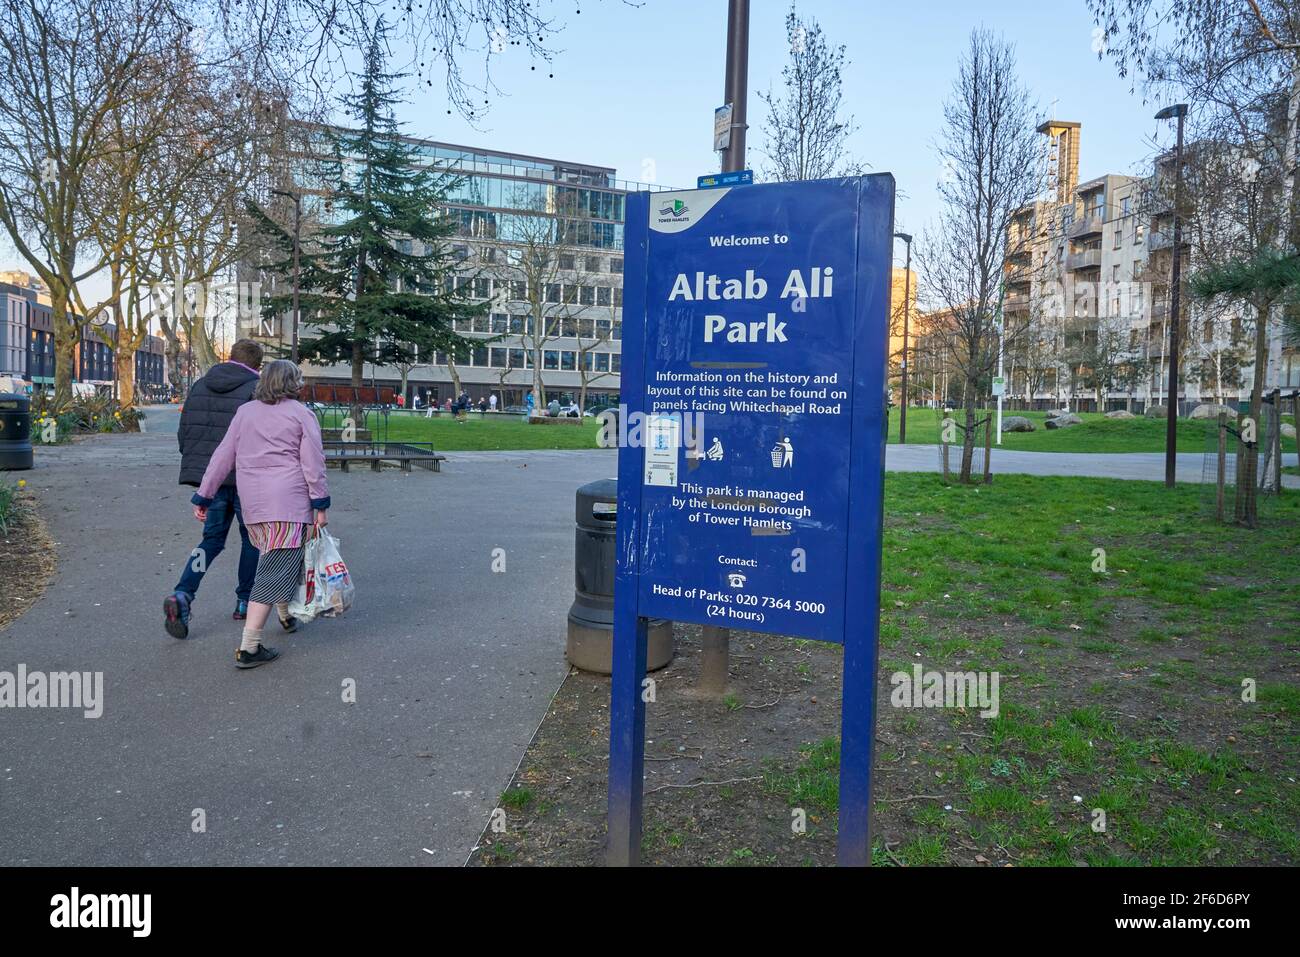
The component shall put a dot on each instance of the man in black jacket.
(208, 410)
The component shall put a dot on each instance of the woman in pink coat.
(274, 446)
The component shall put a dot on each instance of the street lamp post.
(1179, 112)
(715, 642)
(736, 86)
(907, 309)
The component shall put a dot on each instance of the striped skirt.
(279, 573)
(279, 567)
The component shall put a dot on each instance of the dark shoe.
(289, 624)
(241, 610)
(177, 609)
(261, 656)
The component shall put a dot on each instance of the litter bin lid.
(589, 496)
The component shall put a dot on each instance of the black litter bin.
(590, 644)
(15, 432)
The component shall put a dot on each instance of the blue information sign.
(740, 177)
(755, 331)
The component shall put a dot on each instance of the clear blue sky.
(639, 83)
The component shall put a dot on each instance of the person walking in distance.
(274, 445)
(205, 418)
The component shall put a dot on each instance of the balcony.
(1015, 302)
(1159, 241)
(1015, 275)
(1088, 225)
(1088, 259)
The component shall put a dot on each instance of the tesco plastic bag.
(326, 589)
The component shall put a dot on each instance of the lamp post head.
(905, 237)
(1170, 112)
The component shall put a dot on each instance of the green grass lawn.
(1148, 713)
(502, 432)
(1122, 689)
(1096, 434)
(484, 433)
(1127, 687)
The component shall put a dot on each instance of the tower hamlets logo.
(676, 209)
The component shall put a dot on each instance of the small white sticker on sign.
(663, 439)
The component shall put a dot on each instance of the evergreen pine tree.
(377, 283)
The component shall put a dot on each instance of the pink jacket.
(278, 460)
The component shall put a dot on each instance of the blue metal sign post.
(751, 477)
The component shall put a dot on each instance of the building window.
(601, 361)
(567, 261)
(517, 325)
(616, 265)
(568, 361)
(615, 362)
(593, 263)
(1139, 232)
(1119, 235)
(481, 356)
(500, 323)
(551, 359)
(603, 297)
(480, 324)
(518, 290)
(587, 295)
(516, 358)
(552, 292)
(498, 358)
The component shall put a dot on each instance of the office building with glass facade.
(498, 202)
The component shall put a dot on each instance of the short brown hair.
(247, 352)
(281, 379)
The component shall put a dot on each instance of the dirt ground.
(27, 560)
(710, 769)
(1187, 775)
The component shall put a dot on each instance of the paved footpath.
(454, 664)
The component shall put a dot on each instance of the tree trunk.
(124, 360)
(1247, 497)
(66, 334)
(539, 387)
(203, 354)
(357, 413)
(968, 440)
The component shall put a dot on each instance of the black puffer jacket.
(209, 407)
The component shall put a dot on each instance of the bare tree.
(307, 43)
(1238, 63)
(545, 270)
(805, 136)
(992, 158)
(590, 337)
(67, 69)
(1216, 350)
